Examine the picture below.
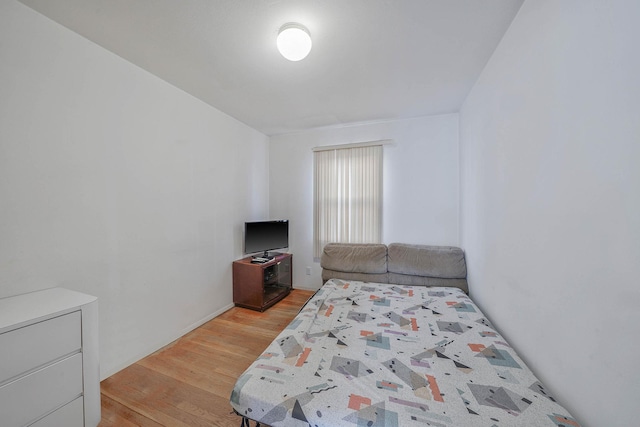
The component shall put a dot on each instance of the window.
(347, 196)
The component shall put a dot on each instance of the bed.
(382, 353)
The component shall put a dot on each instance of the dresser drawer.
(41, 392)
(70, 415)
(33, 346)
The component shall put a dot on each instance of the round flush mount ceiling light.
(294, 41)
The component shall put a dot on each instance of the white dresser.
(49, 371)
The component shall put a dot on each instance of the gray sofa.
(398, 263)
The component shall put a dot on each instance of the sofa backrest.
(353, 261)
(399, 263)
(427, 265)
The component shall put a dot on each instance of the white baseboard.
(304, 288)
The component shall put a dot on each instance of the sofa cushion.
(406, 279)
(432, 261)
(362, 277)
(355, 258)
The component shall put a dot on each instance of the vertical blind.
(347, 196)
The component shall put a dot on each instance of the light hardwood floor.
(188, 382)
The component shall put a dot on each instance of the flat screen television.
(264, 236)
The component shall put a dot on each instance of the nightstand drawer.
(36, 345)
(38, 393)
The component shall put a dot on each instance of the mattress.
(366, 354)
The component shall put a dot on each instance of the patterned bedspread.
(365, 354)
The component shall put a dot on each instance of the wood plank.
(188, 382)
(115, 414)
(166, 400)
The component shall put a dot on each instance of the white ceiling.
(371, 59)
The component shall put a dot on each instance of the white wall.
(114, 183)
(421, 181)
(550, 200)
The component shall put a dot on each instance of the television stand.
(258, 286)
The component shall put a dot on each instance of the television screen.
(263, 236)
